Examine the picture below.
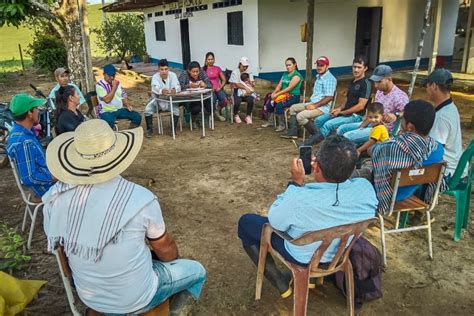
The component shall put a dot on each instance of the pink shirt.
(213, 74)
(393, 102)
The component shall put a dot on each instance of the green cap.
(24, 102)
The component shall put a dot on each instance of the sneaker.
(149, 133)
(219, 116)
(237, 119)
(267, 124)
(248, 120)
(280, 129)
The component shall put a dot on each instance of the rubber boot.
(181, 303)
(279, 279)
(271, 120)
(316, 138)
(281, 123)
(149, 126)
(293, 129)
(310, 128)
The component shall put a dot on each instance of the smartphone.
(305, 156)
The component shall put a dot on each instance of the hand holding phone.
(305, 156)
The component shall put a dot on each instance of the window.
(159, 13)
(225, 4)
(160, 31)
(235, 28)
(149, 15)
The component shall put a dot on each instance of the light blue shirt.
(309, 208)
(324, 86)
(52, 94)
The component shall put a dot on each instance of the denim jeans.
(327, 123)
(279, 108)
(221, 96)
(123, 113)
(355, 134)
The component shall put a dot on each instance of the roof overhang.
(133, 5)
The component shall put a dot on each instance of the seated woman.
(218, 81)
(286, 93)
(68, 117)
(195, 77)
(237, 84)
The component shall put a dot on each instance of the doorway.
(185, 47)
(368, 32)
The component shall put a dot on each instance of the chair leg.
(300, 299)
(24, 216)
(382, 237)
(459, 218)
(32, 227)
(467, 204)
(430, 245)
(67, 286)
(349, 278)
(260, 270)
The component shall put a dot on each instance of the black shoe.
(149, 126)
(311, 128)
(313, 140)
(181, 304)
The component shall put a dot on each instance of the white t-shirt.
(447, 130)
(235, 76)
(123, 281)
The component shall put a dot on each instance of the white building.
(268, 31)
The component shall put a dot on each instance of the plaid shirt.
(184, 79)
(24, 148)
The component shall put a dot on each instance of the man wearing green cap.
(24, 148)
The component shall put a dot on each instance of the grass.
(12, 65)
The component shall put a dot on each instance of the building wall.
(447, 31)
(207, 32)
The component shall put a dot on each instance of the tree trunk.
(426, 24)
(309, 46)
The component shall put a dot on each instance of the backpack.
(367, 265)
(266, 104)
(227, 74)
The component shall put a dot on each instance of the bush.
(123, 35)
(11, 249)
(48, 52)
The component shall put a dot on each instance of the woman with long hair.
(68, 117)
(218, 81)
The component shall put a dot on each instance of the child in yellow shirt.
(379, 132)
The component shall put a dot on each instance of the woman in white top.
(236, 85)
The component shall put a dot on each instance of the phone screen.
(305, 156)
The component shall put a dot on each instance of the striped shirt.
(24, 148)
(185, 80)
(103, 88)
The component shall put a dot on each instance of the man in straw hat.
(23, 146)
(102, 220)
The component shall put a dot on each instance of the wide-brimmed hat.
(93, 153)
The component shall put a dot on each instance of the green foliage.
(11, 249)
(123, 35)
(13, 12)
(48, 52)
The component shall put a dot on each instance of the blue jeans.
(279, 108)
(221, 96)
(355, 134)
(176, 276)
(327, 123)
(121, 114)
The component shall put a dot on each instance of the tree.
(123, 35)
(69, 19)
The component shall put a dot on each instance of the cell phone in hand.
(305, 156)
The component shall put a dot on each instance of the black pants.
(238, 100)
(195, 107)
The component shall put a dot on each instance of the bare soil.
(205, 185)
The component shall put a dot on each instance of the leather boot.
(281, 123)
(149, 125)
(310, 128)
(314, 139)
(279, 279)
(181, 303)
(270, 122)
(293, 129)
(134, 125)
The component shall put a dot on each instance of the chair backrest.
(326, 237)
(465, 160)
(24, 195)
(64, 262)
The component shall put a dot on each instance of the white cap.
(244, 61)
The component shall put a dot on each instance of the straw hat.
(93, 153)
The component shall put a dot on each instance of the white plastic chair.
(27, 198)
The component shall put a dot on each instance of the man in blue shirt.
(332, 200)
(62, 77)
(24, 148)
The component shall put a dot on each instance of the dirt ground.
(205, 185)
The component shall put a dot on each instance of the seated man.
(320, 102)
(412, 148)
(62, 78)
(332, 200)
(113, 102)
(388, 94)
(164, 82)
(358, 94)
(24, 147)
(109, 247)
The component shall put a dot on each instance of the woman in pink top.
(218, 82)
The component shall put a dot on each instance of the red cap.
(323, 60)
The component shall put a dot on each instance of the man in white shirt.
(447, 125)
(164, 82)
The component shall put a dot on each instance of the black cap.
(439, 76)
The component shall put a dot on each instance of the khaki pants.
(302, 115)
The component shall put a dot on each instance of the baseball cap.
(322, 60)
(244, 61)
(110, 70)
(439, 76)
(59, 71)
(380, 72)
(24, 102)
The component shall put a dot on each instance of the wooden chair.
(31, 202)
(301, 274)
(333, 103)
(407, 177)
(66, 276)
